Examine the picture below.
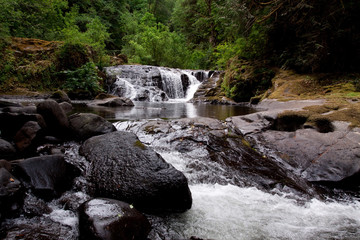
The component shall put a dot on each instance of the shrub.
(83, 79)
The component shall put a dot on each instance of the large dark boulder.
(48, 176)
(6, 149)
(86, 125)
(28, 137)
(108, 219)
(55, 118)
(121, 167)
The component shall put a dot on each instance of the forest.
(306, 36)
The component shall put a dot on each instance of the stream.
(226, 205)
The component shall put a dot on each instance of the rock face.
(109, 219)
(327, 154)
(121, 167)
(149, 83)
(86, 125)
(217, 154)
(48, 176)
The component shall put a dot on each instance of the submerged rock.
(86, 125)
(121, 167)
(109, 219)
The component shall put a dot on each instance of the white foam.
(229, 212)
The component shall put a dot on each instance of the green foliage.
(243, 79)
(155, 44)
(32, 18)
(72, 55)
(94, 35)
(84, 78)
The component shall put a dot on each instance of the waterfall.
(153, 84)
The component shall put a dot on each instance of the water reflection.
(165, 110)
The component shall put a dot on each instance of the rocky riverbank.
(64, 175)
(37, 171)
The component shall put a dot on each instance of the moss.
(139, 145)
(245, 143)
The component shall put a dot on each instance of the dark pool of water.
(165, 110)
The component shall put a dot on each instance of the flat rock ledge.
(331, 158)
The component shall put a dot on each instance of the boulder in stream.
(48, 175)
(122, 168)
(86, 125)
(55, 118)
(109, 219)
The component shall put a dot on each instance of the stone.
(7, 150)
(86, 125)
(4, 104)
(10, 193)
(28, 136)
(55, 118)
(27, 109)
(12, 122)
(48, 175)
(123, 168)
(67, 107)
(116, 102)
(60, 96)
(109, 219)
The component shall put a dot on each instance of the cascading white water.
(153, 84)
(229, 212)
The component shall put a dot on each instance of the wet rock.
(218, 154)
(10, 193)
(317, 150)
(38, 228)
(55, 118)
(7, 150)
(28, 137)
(117, 102)
(60, 96)
(12, 122)
(121, 167)
(4, 104)
(27, 109)
(185, 82)
(34, 206)
(67, 107)
(48, 176)
(110, 219)
(5, 164)
(86, 125)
